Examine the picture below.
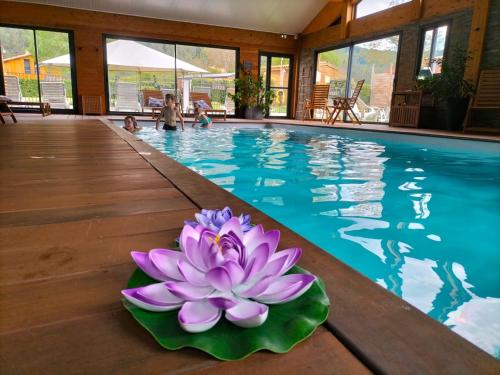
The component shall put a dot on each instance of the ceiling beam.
(330, 12)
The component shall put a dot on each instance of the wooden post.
(418, 7)
(347, 16)
(476, 40)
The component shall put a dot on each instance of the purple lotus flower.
(215, 219)
(215, 272)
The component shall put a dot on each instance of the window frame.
(422, 31)
(106, 36)
(72, 59)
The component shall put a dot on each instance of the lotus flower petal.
(232, 226)
(190, 273)
(236, 273)
(166, 262)
(286, 288)
(187, 291)
(254, 289)
(247, 314)
(144, 263)
(219, 278)
(154, 297)
(271, 238)
(222, 300)
(198, 316)
(288, 258)
(188, 232)
(257, 260)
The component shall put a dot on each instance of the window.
(27, 66)
(432, 51)
(38, 66)
(141, 72)
(366, 7)
(375, 62)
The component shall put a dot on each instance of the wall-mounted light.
(284, 36)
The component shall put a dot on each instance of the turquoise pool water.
(418, 215)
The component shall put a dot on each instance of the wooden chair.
(127, 97)
(156, 94)
(486, 99)
(319, 100)
(197, 96)
(54, 93)
(345, 105)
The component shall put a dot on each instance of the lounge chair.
(13, 88)
(152, 100)
(486, 100)
(345, 105)
(127, 97)
(203, 97)
(5, 109)
(54, 93)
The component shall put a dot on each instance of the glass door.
(374, 62)
(276, 72)
(37, 65)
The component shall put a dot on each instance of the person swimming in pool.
(169, 114)
(130, 124)
(201, 116)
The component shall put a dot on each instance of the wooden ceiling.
(277, 16)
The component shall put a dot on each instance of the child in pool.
(169, 114)
(201, 116)
(130, 124)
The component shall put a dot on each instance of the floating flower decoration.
(221, 268)
(215, 219)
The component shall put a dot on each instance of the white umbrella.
(127, 55)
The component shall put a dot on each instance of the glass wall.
(37, 66)
(375, 62)
(141, 73)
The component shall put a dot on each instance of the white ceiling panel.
(277, 16)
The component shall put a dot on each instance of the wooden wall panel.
(432, 8)
(89, 26)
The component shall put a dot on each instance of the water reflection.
(418, 223)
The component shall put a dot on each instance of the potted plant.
(451, 88)
(251, 97)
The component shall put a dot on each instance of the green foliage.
(450, 83)
(29, 87)
(251, 93)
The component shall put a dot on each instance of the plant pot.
(456, 109)
(253, 113)
(258, 113)
(249, 113)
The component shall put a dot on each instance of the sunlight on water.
(421, 220)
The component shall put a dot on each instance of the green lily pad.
(286, 325)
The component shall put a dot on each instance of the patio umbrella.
(127, 55)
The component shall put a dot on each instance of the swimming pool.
(417, 215)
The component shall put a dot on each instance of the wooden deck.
(76, 197)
